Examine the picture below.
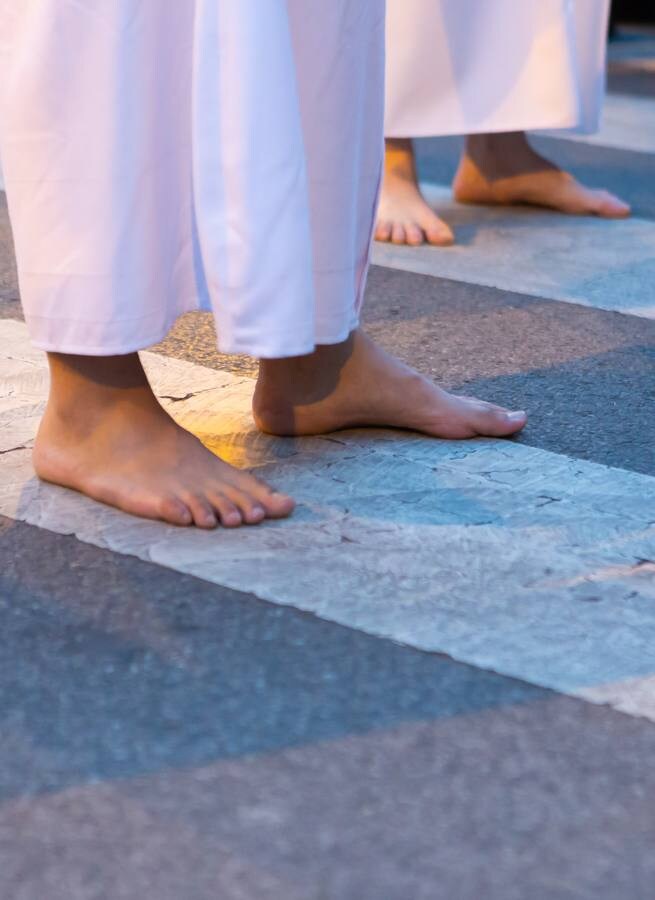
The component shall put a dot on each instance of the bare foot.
(404, 217)
(357, 384)
(504, 169)
(105, 434)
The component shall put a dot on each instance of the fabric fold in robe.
(476, 66)
(218, 154)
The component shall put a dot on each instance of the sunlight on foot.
(119, 446)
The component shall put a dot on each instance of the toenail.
(516, 416)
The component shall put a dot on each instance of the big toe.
(277, 505)
(414, 235)
(493, 421)
(609, 206)
(439, 234)
(434, 230)
(260, 494)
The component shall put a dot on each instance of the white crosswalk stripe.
(590, 261)
(504, 556)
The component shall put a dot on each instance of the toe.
(251, 510)
(172, 510)
(227, 511)
(610, 207)
(440, 235)
(238, 483)
(493, 421)
(437, 232)
(383, 231)
(398, 233)
(276, 505)
(414, 235)
(201, 510)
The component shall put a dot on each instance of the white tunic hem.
(298, 346)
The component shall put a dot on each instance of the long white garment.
(476, 66)
(162, 156)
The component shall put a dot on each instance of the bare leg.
(105, 434)
(504, 169)
(357, 384)
(404, 217)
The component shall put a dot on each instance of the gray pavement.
(628, 79)
(167, 738)
(164, 736)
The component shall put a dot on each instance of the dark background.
(633, 11)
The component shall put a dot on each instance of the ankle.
(500, 155)
(309, 378)
(507, 155)
(83, 408)
(399, 158)
(85, 390)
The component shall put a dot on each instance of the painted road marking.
(595, 262)
(504, 556)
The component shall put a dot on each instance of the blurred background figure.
(491, 71)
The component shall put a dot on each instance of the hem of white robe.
(423, 130)
(278, 346)
(82, 347)
(106, 349)
(323, 337)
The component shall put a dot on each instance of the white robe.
(161, 157)
(476, 66)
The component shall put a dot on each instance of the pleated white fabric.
(477, 66)
(161, 157)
